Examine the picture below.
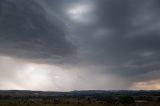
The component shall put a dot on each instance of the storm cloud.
(115, 42)
(27, 31)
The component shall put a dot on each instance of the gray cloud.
(27, 31)
(130, 31)
(107, 37)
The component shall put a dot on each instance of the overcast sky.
(64, 45)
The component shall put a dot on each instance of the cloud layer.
(27, 31)
(115, 42)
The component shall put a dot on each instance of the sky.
(65, 45)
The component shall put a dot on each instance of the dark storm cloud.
(28, 31)
(116, 38)
(124, 39)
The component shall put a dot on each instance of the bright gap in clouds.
(80, 12)
(45, 77)
(34, 76)
(147, 85)
(23, 75)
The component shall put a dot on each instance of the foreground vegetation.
(81, 99)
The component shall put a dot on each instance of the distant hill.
(25, 93)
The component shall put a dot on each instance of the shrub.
(158, 100)
(127, 100)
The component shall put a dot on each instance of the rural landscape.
(79, 52)
(80, 98)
